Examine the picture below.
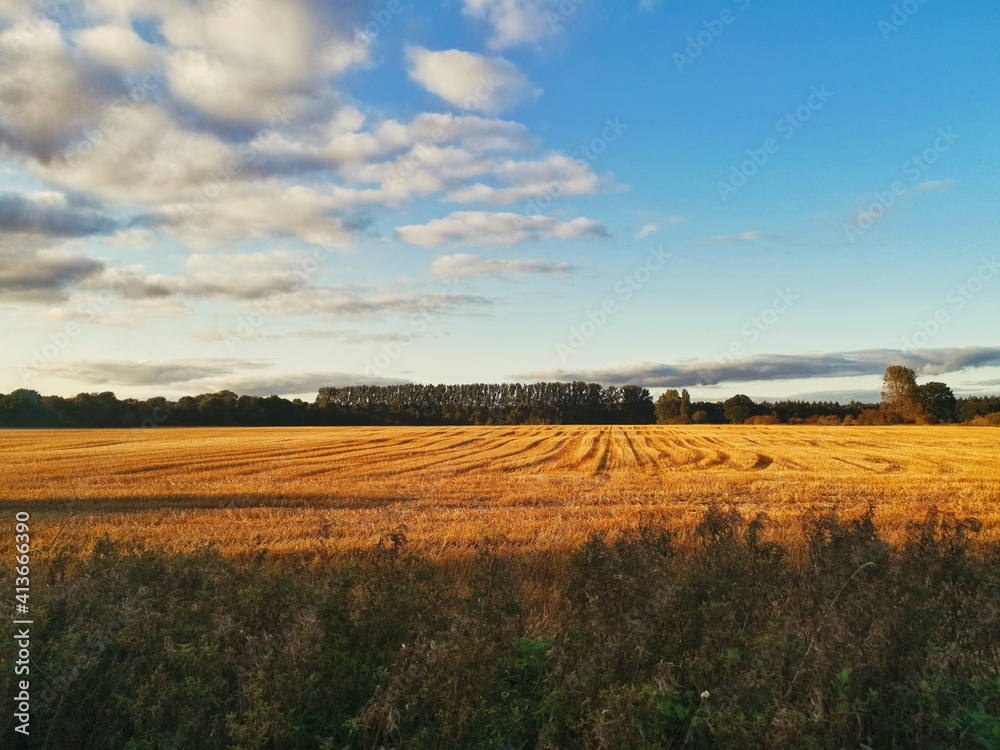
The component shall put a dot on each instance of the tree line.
(903, 401)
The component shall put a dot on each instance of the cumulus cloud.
(647, 230)
(516, 22)
(45, 97)
(204, 189)
(241, 135)
(864, 362)
(482, 229)
(469, 81)
(466, 265)
(255, 57)
(117, 46)
(522, 180)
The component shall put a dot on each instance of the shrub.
(718, 638)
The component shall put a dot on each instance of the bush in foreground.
(719, 641)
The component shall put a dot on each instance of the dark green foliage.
(508, 403)
(486, 403)
(718, 639)
(738, 409)
(936, 402)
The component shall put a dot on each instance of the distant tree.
(899, 391)
(25, 408)
(738, 409)
(673, 407)
(937, 402)
(668, 407)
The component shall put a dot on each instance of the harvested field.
(541, 488)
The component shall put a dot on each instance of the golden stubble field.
(541, 489)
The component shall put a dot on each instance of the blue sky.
(725, 196)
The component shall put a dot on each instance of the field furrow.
(542, 487)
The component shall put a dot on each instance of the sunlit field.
(536, 489)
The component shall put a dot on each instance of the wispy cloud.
(465, 265)
(735, 239)
(206, 375)
(515, 22)
(483, 229)
(934, 185)
(140, 373)
(770, 367)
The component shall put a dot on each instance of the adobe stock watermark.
(751, 332)
(883, 200)
(957, 298)
(713, 28)
(558, 15)
(624, 289)
(787, 126)
(900, 16)
(43, 11)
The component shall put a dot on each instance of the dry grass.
(543, 489)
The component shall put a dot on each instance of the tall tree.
(668, 407)
(899, 391)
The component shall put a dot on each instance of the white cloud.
(146, 157)
(555, 175)
(357, 302)
(117, 46)
(647, 230)
(516, 22)
(206, 190)
(243, 275)
(645, 6)
(253, 58)
(341, 142)
(466, 265)
(482, 229)
(469, 81)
